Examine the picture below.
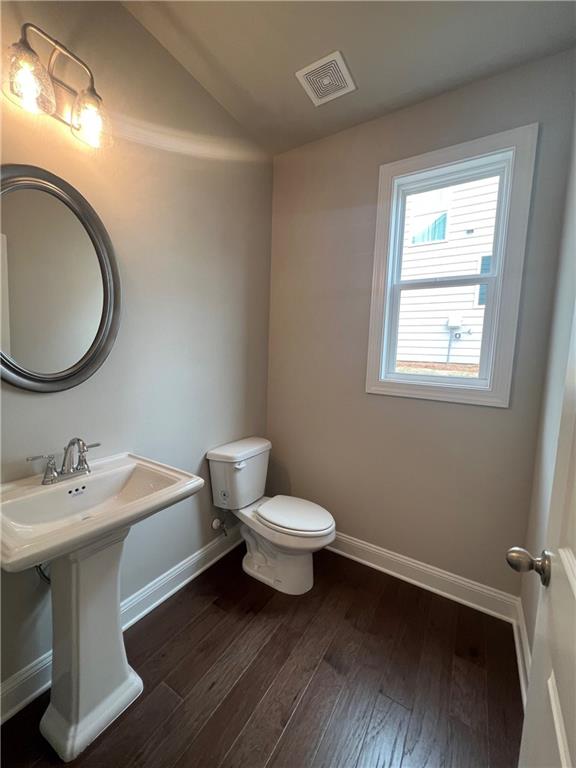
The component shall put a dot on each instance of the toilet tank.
(238, 472)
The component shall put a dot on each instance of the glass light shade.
(89, 120)
(26, 81)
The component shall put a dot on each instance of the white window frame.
(509, 154)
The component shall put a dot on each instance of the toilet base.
(288, 572)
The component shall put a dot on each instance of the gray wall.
(191, 229)
(553, 394)
(447, 484)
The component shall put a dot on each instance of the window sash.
(390, 346)
(445, 178)
(438, 178)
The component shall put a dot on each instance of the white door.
(549, 735)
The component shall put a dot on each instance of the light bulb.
(88, 118)
(27, 87)
(27, 83)
(90, 127)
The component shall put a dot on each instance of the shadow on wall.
(184, 142)
(278, 480)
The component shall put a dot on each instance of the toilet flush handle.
(239, 465)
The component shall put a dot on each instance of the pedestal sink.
(80, 526)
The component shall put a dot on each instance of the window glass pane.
(448, 231)
(440, 332)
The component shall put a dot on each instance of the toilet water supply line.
(219, 525)
(40, 570)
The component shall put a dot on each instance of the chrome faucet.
(69, 468)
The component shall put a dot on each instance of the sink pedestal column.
(92, 682)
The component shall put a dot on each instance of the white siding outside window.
(447, 270)
(440, 330)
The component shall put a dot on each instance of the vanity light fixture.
(28, 83)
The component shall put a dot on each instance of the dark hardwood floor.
(365, 671)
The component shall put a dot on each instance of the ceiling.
(246, 53)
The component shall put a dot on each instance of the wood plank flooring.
(365, 671)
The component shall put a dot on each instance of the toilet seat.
(296, 517)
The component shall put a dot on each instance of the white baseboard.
(523, 650)
(136, 606)
(486, 599)
(28, 683)
(25, 685)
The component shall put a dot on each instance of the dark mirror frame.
(14, 177)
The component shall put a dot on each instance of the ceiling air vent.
(326, 79)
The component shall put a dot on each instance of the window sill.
(448, 393)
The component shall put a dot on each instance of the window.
(484, 270)
(429, 233)
(448, 262)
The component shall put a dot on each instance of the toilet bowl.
(281, 532)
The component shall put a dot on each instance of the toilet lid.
(298, 515)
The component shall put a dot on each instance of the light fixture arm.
(57, 49)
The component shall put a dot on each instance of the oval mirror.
(60, 288)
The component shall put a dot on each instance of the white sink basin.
(41, 522)
(79, 525)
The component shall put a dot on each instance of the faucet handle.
(82, 465)
(50, 472)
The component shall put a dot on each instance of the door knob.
(521, 560)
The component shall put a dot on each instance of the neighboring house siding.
(424, 334)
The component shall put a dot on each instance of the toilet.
(281, 532)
